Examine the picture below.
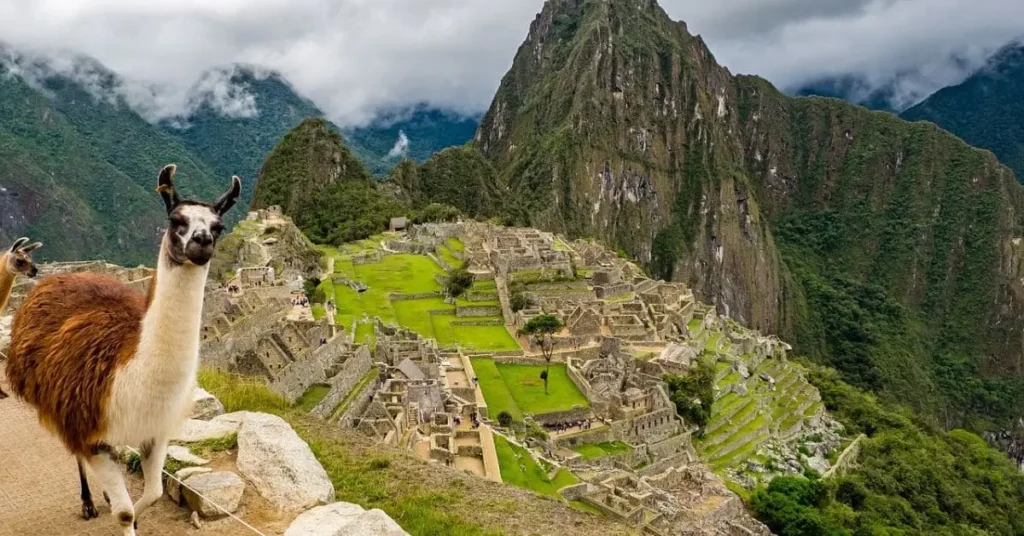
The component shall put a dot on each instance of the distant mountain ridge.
(987, 109)
(74, 154)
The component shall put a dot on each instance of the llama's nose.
(202, 238)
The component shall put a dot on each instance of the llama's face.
(194, 226)
(193, 233)
(19, 260)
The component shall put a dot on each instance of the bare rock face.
(280, 465)
(223, 488)
(205, 406)
(344, 519)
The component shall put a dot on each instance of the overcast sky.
(353, 57)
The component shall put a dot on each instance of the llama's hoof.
(3, 395)
(89, 511)
(106, 498)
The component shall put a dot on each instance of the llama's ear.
(165, 185)
(31, 247)
(18, 243)
(228, 198)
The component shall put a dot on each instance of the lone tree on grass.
(540, 329)
(458, 282)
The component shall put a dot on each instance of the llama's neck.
(6, 282)
(170, 328)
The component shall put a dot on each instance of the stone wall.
(359, 403)
(488, 310)
(575, 414)
(350, 372)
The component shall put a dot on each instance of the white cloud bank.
(354, 57)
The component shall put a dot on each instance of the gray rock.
(205, 406)
(173, 488)
(740, 389)
(182, 454)
(280, 465)
(819, 464)
(194, 430)
(223, 488)
(344, 519)
(742, 369)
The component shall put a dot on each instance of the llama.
(106, 366)
(15, 261)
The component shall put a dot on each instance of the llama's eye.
(217, 229)
(20, 262)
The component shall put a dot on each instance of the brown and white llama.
(14, 262)
(106, 366)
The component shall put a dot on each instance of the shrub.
(505, 419)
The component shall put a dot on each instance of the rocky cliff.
(890, 250)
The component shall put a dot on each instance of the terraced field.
(742, 422)
(404, 274)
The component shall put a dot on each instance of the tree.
(518, 301)
(459, 280)
(505, 419)
(540, 329)
(310, 286)
(693, 393)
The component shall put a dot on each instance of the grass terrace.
(518, 389)
(408, 274)
(520, 469)
(594, 451)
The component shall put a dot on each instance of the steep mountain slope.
(986, 110)
(77, 171)
(887, 249)
(317, 181)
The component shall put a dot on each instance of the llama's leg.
(107, 470)
(153, 454)
(3, 395)
(88, 508)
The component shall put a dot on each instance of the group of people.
(234, 289)
(565, 426)
(474, 417)
(303, 301)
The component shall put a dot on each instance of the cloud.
(908, 47)
(401, 147)
(355, 57)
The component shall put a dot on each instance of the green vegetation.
(541, 328)
(458, 281)
(312, 397)
(693, 394)
(909, 479)
(457, 176)
(518, 389)
(599, 450)
(518, 468)
(319, 183)
(208, 447)
(409, 274)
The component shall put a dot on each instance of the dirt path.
(39, 491)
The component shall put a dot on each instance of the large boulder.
(204, 491)
(219, 427)
(205, 406)
(280, 465)
(344, 519)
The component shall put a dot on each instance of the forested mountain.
(986, 110)
(416, 133)
(77, 163)
(890, 250)
(78, 171)
(321, 184)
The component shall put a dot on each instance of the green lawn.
(448, 257)
(600, 450)
(521, 470)
(312, 397)
(481, 338)
(496, 393)
(409, 274)
(455, 244)
(518, 389)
